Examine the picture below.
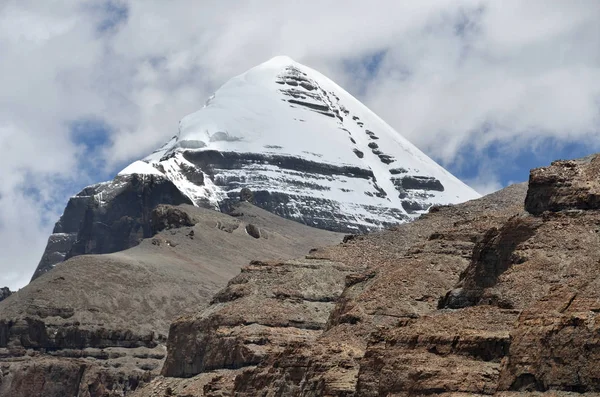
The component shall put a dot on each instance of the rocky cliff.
(108, 217)
(497, 296)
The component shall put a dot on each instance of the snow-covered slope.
(307, 149)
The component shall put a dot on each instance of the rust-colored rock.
(490, 297)
(565, 185)
(384, 280)
(268, 307)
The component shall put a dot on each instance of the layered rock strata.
(481, 298)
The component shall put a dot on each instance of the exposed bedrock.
(96, 325)
(240, 173)
(264, 309)
(169, 217)
(60, 377)
(5, 292)
(108, 217)
(521, 316)
(554, 343)
(322, 214)
(492, 256)
(34, 333)
(418, 182)
(525, 307)
(564, 185)
(261, 332)
(213, 159)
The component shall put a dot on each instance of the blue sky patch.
(113, 13)
(364, 69)
(511, 166)
(91, 136)
(90, 133)
(366, 66)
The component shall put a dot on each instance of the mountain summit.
(282, 136)
(308, 150)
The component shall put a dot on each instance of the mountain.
(307, 149)
(281, 136)
(278, 162)
(108, 217)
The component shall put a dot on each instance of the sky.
(489, 89)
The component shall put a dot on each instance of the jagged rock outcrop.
(522, 328)
(169, 217)
(564, 185)
(237, 331)
(81, 377)
(109, 217)
(390, 278)
(481, 298)
(492, 256)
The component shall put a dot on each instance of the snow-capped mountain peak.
(281, 136)
(307, 148)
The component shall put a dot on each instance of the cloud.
(522, 71)
(475, 84)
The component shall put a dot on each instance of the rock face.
(96, 325)
(108, 217)
(169, 217)
(481, 298)
(570, 184)
(385, 279)
(5, 292)
(238, 332)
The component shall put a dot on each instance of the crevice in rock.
(492, 256)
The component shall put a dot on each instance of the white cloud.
(454, 73)
(524, 70)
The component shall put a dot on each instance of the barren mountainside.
(497, 296)
(96, 325)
